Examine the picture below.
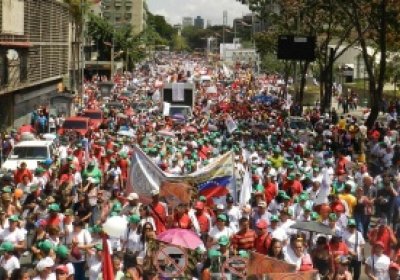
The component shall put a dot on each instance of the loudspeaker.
(292, 47)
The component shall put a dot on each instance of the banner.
(145, 176)
(260, 264)
(308, 275)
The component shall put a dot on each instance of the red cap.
(199, 205)
(394, 266)
(255, 177)
(261, 224)
(62, 268)
(380, 243)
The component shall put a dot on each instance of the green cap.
(202, 198)
(33, 188)
(134, 219)
(332, 217)
(7, 189)
(244, 254)
(259, 188)
(99, 247)
(223, 240)
(351, 222)
(274, 218)
(222, 217)
(291, 176)
(117, 207)
(7, 246)
(214, 254)
(54, 207)
(285, 197)
(45, 246)
(314, 216)
(95, 229)
(307, 208)
(303, 197)
(14, 218)
(62, 251)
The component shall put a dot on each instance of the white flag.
(245, 193)
(231, 125)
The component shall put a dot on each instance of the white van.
(30, 152)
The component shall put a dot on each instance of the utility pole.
(224, 23)
(82, 53)
(112, 41)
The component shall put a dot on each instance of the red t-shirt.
(338, 249)
(294, 188)
(159, 215)
(270, 191)
(204, 223)
(183, 221)
(262, 243)
(383, 235)
(19, 174)
(244, 240)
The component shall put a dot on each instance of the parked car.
(30, 152)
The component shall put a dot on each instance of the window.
(69, 124)
(30, 153)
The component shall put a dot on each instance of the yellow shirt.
(350, 200)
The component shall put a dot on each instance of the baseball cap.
(44, 263)
(379, 243)
(223, 240)
(212, 254)
(7, 246)
(62, 251)
(262, 204)
(98, 247)
(274, 218)
(351, 222)
(155, 192)
(220, 206)
(135, 219)
(202, 198)
(199, 205)
(54, 207)
(261, 224)
(133, 196)
(45, 245)
(62, 268)
(14, 218)
(222, 217)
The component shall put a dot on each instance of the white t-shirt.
(215, 233)
(292, 258)
(278, 233)
(52, 276)
(350, 240)
(17, 235)
(83, 238)
(10, 264)
(234, 217)
(133, 240)
(379, 266)
(94, 268)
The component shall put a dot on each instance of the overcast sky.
(174, 10)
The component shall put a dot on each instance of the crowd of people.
(336, 172)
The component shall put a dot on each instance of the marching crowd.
(335, 172)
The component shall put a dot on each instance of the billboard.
(12, 17)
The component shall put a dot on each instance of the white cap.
(155, 192)
(44, 263)
(220, 207)
(133, 196)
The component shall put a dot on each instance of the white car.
(30, 152)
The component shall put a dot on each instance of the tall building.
(199, 22)
(35, 50)
(187, 21)
(121, 12)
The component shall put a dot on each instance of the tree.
(179, 43)
(379, 19)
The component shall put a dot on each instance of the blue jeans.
(79, 270)
(362, 223)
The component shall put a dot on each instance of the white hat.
(44, 263)
(155, 192)
(262, 204)
(220, 207)
(133, 196)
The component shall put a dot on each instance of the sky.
(174, 10)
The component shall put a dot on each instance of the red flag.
(107, 267)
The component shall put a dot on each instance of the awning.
(16, 44)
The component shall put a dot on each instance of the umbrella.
(166, 133)
(312, 226)
(181, 237)
(115, 226)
